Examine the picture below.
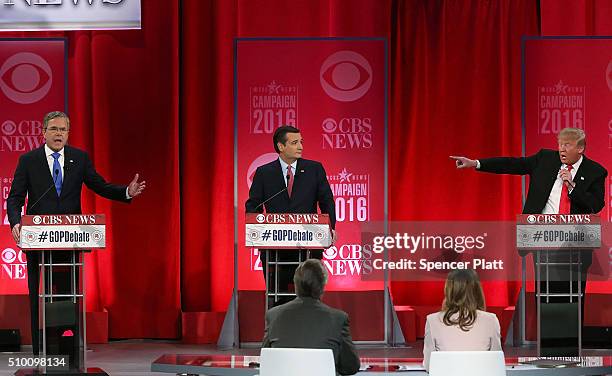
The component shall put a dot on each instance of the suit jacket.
(543, 168)
(307, 323)
(33, 178)
(483, 336)
(310, 187)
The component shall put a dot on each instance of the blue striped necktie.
(57, 173)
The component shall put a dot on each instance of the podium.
(61, 241)
(276, 233)
(562, 248)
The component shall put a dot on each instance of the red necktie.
(290, 182)
(564, 204)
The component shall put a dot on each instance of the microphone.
(270, 198)
(565, 182)
(277, 193)
(56, 173)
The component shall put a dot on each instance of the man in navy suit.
(52, 176)
(290, 184)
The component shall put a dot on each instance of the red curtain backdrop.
(124, 108)
(207, 104)
(576, 17)
(159, 101)
(455, 90)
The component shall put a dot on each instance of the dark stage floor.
(134, 357)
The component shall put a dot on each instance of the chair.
(296, 362)
(467, 363)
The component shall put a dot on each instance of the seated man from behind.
(306, 322)
(462, 324)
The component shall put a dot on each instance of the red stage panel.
(568, 83)
(32, 83)
(334, 92)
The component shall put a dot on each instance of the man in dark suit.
(306, 322)
(549, 172)
(52, 176)
(560, 182)
(290, 184)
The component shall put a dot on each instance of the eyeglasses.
(57, 130)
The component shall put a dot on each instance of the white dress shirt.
(284, 168)
(50, 160)
(552, 204)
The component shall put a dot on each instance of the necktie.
(564, 204)
(290, 182)
(57, 173)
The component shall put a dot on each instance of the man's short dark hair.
(310, 279)
(280, 135)
(54, 115)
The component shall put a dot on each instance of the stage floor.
(134, 357)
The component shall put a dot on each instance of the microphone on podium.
(277, 193)
(271, 197)
(55, 176)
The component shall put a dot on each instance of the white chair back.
(296, 362)
(467, 363)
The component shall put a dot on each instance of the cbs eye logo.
(330, 253)
(8, 128)
(346, 76)
(329, 125)
(9, 255)
(25, 78)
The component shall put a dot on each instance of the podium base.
(72, 372)
(559, 329)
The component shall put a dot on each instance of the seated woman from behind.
(463, 324)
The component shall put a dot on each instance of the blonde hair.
(463, 296)
(575, 134)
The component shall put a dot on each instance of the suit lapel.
(554, 167)
(279, 179)
(297, 178)
(43, 166)
(582, 170)
(68, 169)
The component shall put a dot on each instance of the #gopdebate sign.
(74, 231)
(541, 231)
(22, 15)
(275, 230)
